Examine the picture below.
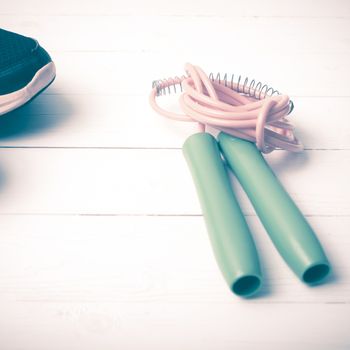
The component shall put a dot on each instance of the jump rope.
(251, 118)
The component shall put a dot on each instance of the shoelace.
(260, 119)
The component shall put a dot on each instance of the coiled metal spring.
(242, 85)
(245, 86)
(164, 86)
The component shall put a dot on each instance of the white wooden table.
(102, 245)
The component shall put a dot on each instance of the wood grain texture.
(252, 8)
(102, 242)
(64, 120)
(125, 34)
(128, 282)
(152, 182)
(132, 73)
(128, 259)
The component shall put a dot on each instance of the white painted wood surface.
(102, 245)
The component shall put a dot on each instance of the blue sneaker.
(26, 69)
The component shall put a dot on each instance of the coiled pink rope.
(211, 104)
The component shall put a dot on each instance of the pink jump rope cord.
(260, 119)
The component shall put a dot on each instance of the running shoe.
(26, 69)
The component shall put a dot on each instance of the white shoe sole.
(42, 78)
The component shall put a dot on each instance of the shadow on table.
(43, 113)
(40, 115)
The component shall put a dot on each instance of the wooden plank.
(169, 33)
(147, 182)
(131, 282)
(132, 73)
(269, 8)
(62, 120)
(175, 326)
(140, 260)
